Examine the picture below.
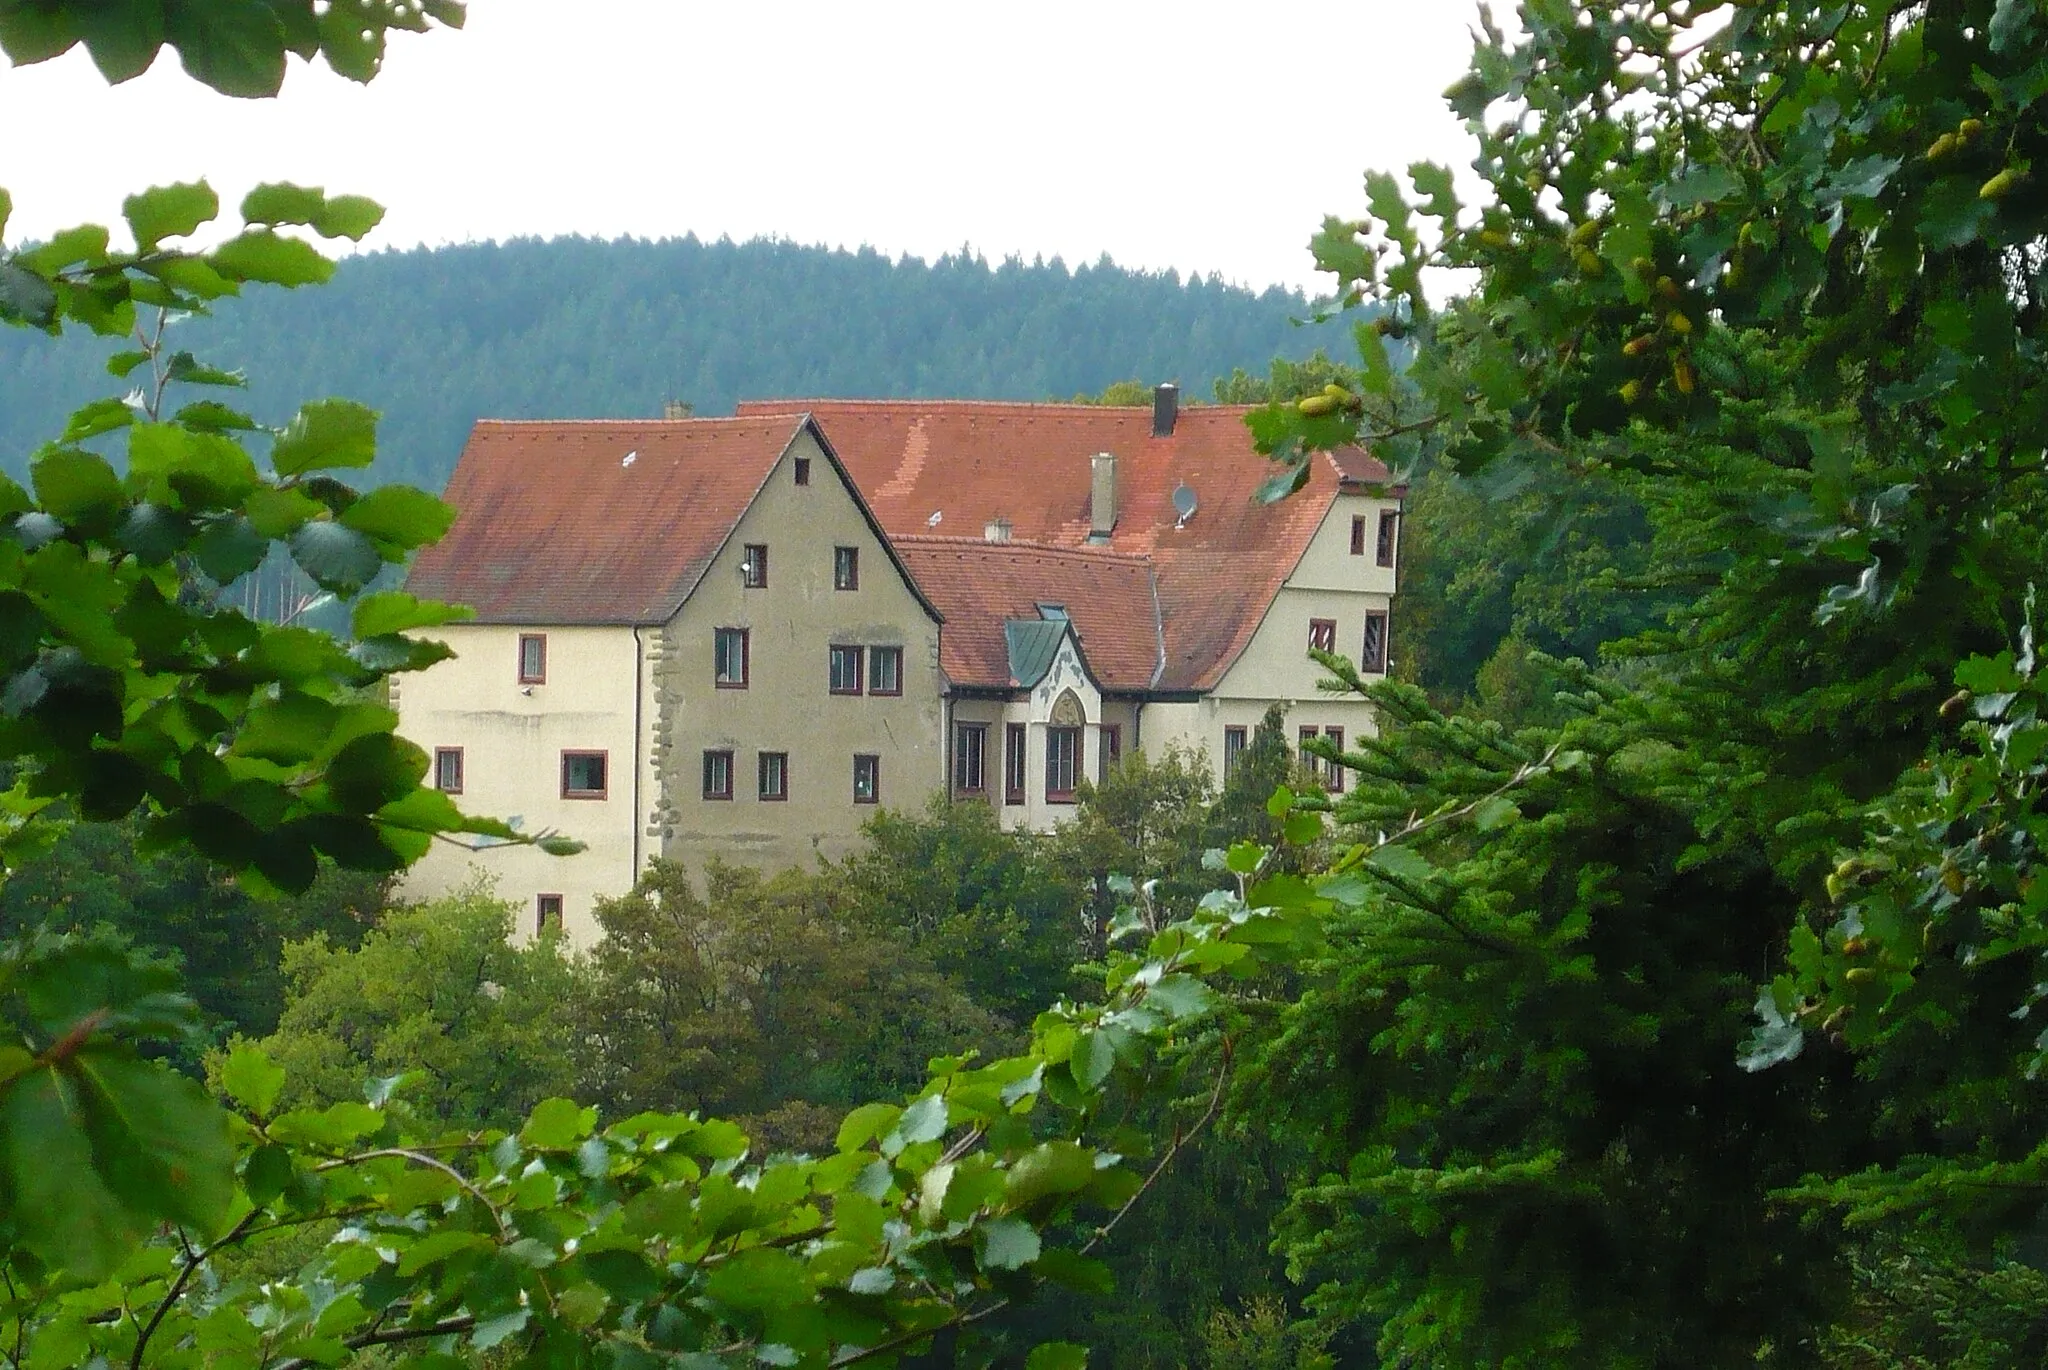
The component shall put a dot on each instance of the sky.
(1196, 136)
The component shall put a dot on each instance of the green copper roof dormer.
(1033, 643)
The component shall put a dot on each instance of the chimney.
(1165, 409)
(1102, 497)
(677, 409)
(996, 529)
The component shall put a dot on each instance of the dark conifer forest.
(582, 328)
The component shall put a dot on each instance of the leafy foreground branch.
(663, 1238)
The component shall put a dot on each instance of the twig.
(432, 1163)
(192, 1263)
(389, 1335)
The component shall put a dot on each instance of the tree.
(1143, 823)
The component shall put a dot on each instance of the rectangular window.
(1308, 735)
(970, 741)
(533, 658)
(1013, 763)
(774, 775)
(1110, 751)
(1333, 774)
(754, 566)
(448, 770)
(730, 653)
(1322, 634)
(1390, 523)
(1233, 748)
(867, 780)
(547, 913)
(885, 671)
(583, 775)
(846, 568)
(845, 670)
(1372, 654)
(718, 775)
(1062, 760)
(803, 470)
(1358, 535)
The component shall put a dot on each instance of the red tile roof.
(554, 526)
(978, 585)
(973, 461)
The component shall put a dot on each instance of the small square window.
(448, 770)
(754, 566)
(774, 775)
(970, 741)
(1322, 634)
(729, 652)
(1372, 655)
(583, 775)
(885, 671)
(1390, 526)
(803, 470)
(533, 658)
(867, 780)
(1358, 535)
(547, 913)
(1233, 748)
(718, 775)
(846, 568)
(846, 670)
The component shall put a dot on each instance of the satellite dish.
(1184, 502)
(629, 458)
(933, 521)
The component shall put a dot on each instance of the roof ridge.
(763, 406)
(643, 423)
(1023, 544)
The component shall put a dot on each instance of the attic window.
(754, 566)
(533, 658)
(1052, 611)
(803, 470)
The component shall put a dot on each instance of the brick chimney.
(1102, 497)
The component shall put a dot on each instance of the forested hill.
(579, 328)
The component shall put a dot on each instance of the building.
(740, 636)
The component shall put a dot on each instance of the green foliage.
(1146, 822)
(1261, 1337)
(437, 992)
(1130, 392)
(1284, 380)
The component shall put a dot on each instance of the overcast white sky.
(1202, 137)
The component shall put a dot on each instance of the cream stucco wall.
(787, 705)
(512, 737)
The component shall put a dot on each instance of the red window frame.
(962, 751)
(725, 755)
(1372, 648)
(876, 655)
(443, 755)
(1303, 736)
(538, 676)
(1015, 740)
(754, 566)
(846, 568)
(1322, 634)
(1358, 535)
(546, 908)
(746, 636)
(1058, 740)
(873, 766)
(781, 762)
(604, 759)
(857, 655)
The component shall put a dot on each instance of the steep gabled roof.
(972, 461)
(982, 587)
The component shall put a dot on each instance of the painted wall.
(512, 738)
(787, 706)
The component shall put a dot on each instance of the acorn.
(1952, 707)
(1667, 287)
(1642, 266)
(1315, 406)
(1997, 186)
(1969, 129)
(1941, 147)
(1585, 232)
(1336, 392)
(1951, 879)
(1493, 237)
(1636, 347)
(1589, 262)
(1681, 374)
(1746, 235)
(1678, 323)
(1631, 391)
(1855, 946)
(1860, 975)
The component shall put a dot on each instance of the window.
(774, 775)
(1111, 750)
(867, 780)
(583, 775)
(718, 775)
(754, 566)
(730, 650)
(533, 658)
(448, 770)
(1358, 535)
(1013, 763)
(885, 671)
(1307, 736)
(1372, 655)
(1062, 758)
(803, 470)
(1322, 634)
(846, 568)
(970, 741)
(1233, 748)
(547, 913)
(1333, 773)
(1390, 523)
(846, 663)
